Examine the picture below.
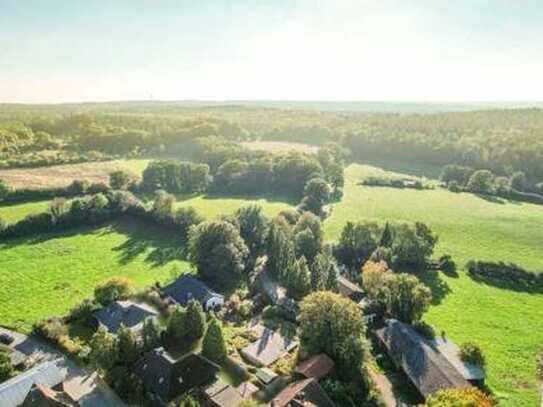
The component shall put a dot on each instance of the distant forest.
(501, 140)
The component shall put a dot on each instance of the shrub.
(83, 312)
(503, 271)
(116, 288)
(6, 368)
(472, 353)
(465, 397)
(213, 346)
(447, 264)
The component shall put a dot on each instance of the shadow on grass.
(159, 246)
(531, 287)
(440, 289)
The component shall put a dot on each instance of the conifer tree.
(195, 320)
(213, 346)
(150, 334)
(386, 237)
(127, 345)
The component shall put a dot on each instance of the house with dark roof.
(48, 375)
(317, 366)
(276, 294)
(167, 378)
(431, 365)
(43, 396)
(304, 393)
(269, 347)
(187, 288)
(128, 313)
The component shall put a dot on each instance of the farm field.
(279, 146)
(211, 207)
(63, 175)
(507, 322)
(49, 274)
(16, 212)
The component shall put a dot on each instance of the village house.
(43, 382)
(127, 313)
(167, 378)
(304, 393)
(316, 367)
(187, 288)
(431, 365)
(269, 347)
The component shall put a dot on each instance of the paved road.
(81, 383)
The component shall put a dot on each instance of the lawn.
(211, 207)
(49, 274)
(508, 323)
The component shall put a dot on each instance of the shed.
(304, 393)
(422, 361)
(223, 395)
(317, 366)
(128, 313)
(268, 348)
(187, 288)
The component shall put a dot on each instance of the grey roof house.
(431, 365)
(127, 313)
(15, 391)
(268, 348)
(187, 288)
(167, 378)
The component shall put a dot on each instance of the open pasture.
(507, 322)
(48, 274)
(59, 176)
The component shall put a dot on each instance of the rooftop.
(127, 313)
(304, 393)
(268, 348)
(421, 359)
(316, 366)
(186, 288)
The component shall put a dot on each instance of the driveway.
(83, 384)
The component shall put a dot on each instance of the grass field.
(211, 207)
(508, 323)
(47, 275)
(280, 146)
(62, 175)
(14, 213)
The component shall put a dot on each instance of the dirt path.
(385, 388)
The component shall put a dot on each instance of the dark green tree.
(213, 346)
(195, 320)
(104, 351)
(127, 345)
(150, 334)
(386, 237)
(217, 250)
(6, 368)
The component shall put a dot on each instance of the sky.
(54, 51)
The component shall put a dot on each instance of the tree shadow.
(159, 246)
(492, 199)
(440, 289)
(521, 286)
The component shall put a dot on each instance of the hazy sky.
(391, 50)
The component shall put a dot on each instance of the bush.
(213, 346)
(116, 288)
(472, 353)
(465, 397)
(504, 272)
(83, 312)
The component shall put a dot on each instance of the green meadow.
(46, 275)
(507, 322)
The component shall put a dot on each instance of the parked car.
(6, 339)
